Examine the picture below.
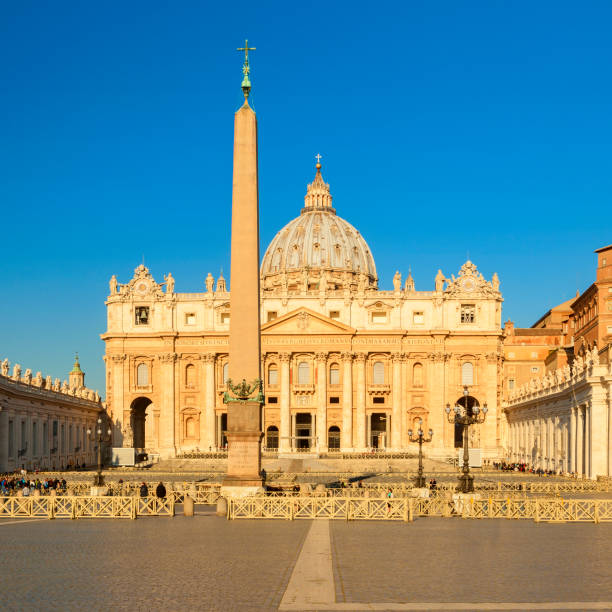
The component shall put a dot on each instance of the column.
(573, 449)
(588, 441)
(207, 424)
(394, 441)
(167, 416)
(580, 441)
(404, 399)
(321, 420)
(347, 403)
(360, 441)
(121, 412)
(285, 395)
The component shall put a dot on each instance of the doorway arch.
(333, 438)
(467, 403)
(138, 415)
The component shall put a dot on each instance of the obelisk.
(244, 396)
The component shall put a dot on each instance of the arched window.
(190, 376)
(225, 372)
(467, 374)
(303, 373)
(417, 375)
(272, 437)
(378, 372)
(334, 374)
(190, 429)
(142, 375)
(333, 438)
(273, 375)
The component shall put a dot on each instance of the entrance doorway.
(138, 421)
(468, 402)
(303, 431)
(378, 430)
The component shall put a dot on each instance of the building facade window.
(334, 314)
(417, 375)
(225, 373)
(379, 316)
(511, 383)
(303, 373)
(141, 315)
(190, 318)
(273, 375)
(378, 373)
(468, 313)
(225, 318)
(334, 374)
(467, 374)
(535, 369)
(142, 375)
(418, 317)
(272, 314)
(190, 376)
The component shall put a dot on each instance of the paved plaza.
(209, 563)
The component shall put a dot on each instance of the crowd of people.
(522, 467)
(22, 484)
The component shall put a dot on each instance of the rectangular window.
(535, 369)
(511, 383)
(11, 439)
(225, 318)
(609, 329)
(34, 439)
(273, 400)
(272, 314)
(272, 376)
(534, 355)
(45, 441)
(379, 317)
(468, 313)
(334, 314)
(334, 400)
(190, 318)
(378, 400)
(418, 317)
(141, 316)
(334, 376)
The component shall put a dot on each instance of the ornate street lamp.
(465, 416)
(420, 438)
(99, 436)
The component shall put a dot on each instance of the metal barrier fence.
(405, 509)
(74, 507)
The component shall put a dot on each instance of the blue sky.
(446, 128)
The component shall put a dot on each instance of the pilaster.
(360, 442)
(285, 396)
(347, 403)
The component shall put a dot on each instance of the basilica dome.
(318, 250)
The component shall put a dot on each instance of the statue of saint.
(440, 281)
(5, 367)
(323, 281)
(169, 283)
(397, 281)
(210, 283)
(113, 285)
(361, 284)
(495, 281)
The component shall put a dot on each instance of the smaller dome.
(318, 249)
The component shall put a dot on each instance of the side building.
(346, 366)
(560, 417)
(44, 422)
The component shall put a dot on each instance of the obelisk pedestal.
(244, 393)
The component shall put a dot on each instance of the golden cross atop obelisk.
(318, 158)
(246, 83)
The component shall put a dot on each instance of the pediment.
(305, 321)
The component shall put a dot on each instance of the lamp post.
(420, 438)
(470, 416)
(99, 436)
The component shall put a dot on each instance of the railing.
(406, 509)
(74, 507)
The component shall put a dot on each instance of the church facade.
(346, 366)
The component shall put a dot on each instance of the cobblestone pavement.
(455, 560)
(204, 563)
(208, 563)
